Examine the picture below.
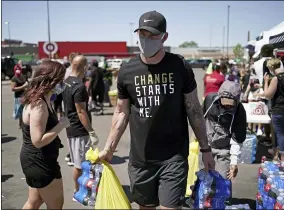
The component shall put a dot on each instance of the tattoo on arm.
(195, 117)
(120, 121)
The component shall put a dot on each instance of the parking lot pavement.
(14, 188)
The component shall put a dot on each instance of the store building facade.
(106, 49)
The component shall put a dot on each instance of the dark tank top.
(49, 152)
(278, 98)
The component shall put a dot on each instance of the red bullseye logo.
(50, 47)
(259, 110)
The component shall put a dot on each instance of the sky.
(110, 20)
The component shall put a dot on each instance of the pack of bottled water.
(270, 193)
(211, 190)
(88, 183)
(239, 206)
(248, 149)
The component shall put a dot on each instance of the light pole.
(131, 34)
(9, 32)
(210, 40)
(228, 27)
(48, 24)
(223, 41)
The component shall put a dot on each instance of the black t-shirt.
(158, 121)
(245, 81)
(278, 98)
(21, 80)
(75, 92)
(97, 82)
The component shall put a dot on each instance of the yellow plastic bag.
(110, 194)
(192, 165)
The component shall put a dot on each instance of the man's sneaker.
(101, 112)
(73, 198)
(67, 158)
(259, 132)
(69, 163)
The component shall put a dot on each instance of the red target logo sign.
(50, 48)
(258, 108)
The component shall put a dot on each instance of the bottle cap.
(269, 179)
(280, 198)
(262, 165)
(281, 194)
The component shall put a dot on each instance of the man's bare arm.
(120, 120)
(83, 116)
(195, 117)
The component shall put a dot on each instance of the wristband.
(206, 150)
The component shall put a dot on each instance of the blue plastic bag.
(211, 190)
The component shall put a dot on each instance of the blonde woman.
(275, 92)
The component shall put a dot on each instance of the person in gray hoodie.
(226, 122)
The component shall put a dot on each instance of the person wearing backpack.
(225, 119)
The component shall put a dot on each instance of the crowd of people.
(261, 80)
(157, 97)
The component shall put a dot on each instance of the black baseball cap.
(154, 22)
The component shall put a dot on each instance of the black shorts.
(156, 185)
(37, 171)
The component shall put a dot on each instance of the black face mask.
(226, 120)
(228, 110)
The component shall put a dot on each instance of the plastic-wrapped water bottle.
(259, 201)
(279, 203)
(212, 190)
(262, 179)
(272, 196)
(272, 166)
(202, 190)
(267, 187)
(248, 150)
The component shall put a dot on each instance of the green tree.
(239, 51)
(189, 44)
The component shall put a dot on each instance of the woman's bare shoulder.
(38, 106)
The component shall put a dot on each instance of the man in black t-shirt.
(157, 95)
(80, 134)
(18, 85)
(96, 88)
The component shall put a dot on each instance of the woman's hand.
(266, 77)
(257, 86)
(64, 121)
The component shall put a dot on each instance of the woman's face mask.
(18, 72)
(149, 47)
(59, 88)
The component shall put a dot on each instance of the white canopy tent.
(266, 34)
